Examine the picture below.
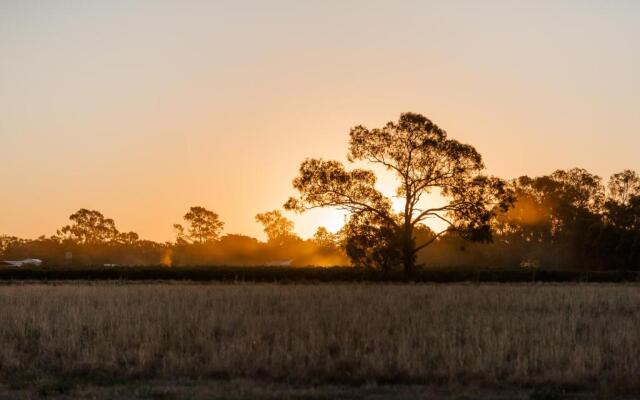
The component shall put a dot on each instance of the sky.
(141, 109)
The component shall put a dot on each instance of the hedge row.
(310, 274)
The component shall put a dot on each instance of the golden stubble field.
(573, 336)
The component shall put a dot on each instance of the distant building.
(21, 263)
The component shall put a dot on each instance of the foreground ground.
(250, 390)
(97, 340)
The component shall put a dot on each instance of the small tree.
(6, 242)
(128, 238)
(89, 227)
(204, 226)
(323, 238)
(423, 160)
(622, 207)
(181, 236)
(278, 228)
(623, 186)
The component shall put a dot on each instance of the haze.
(143, 109)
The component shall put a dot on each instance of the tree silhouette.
(127, 238)
(322, 237)
(423, 160)
(278, 228)
(7, 241)
(182, 238)
(204, 226)
(579, 188)
(623, 186)
(89, 227)
(622, 208)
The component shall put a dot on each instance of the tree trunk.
(408, 244)
(408, 250)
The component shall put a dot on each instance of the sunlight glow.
(333, 220)
(306, 224)
(143, 111)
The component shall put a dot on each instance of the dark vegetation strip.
(312, 274)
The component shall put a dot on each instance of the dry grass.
(521, 335)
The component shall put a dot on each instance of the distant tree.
(127, 238)
(423, 160)
(531, 217)
(323, 238)
(622, 207)
(556, 219)
(89, 227)
(550, 206)
(623, 186)
(278, 228)
(7, 242)
(625, 216)
(579, 189)
(204, 226)
(182, 237)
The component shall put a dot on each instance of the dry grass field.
(570, 337)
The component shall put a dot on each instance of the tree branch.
(428, 242)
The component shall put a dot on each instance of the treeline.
(282, 274)
(568, 220)
(91, 239)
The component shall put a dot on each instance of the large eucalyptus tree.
(424, 160)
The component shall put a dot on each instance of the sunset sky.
(141, 109)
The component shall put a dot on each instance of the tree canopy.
(278, 228)
(203, 226)
(89, 227)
